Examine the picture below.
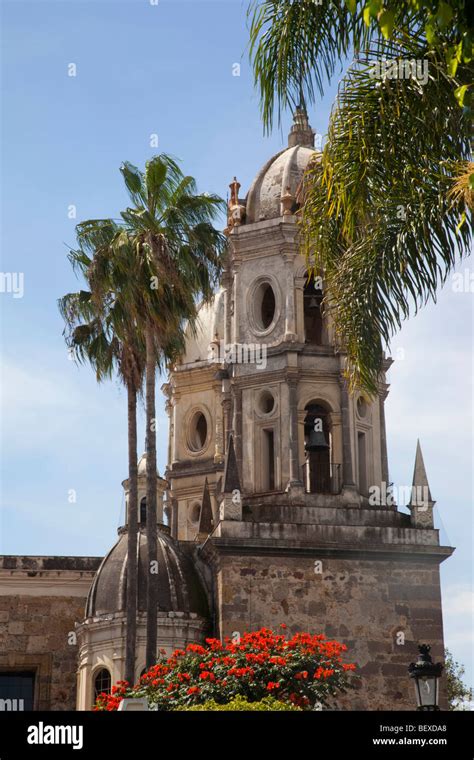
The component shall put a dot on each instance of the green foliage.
(241, 704)
(378, 218)
(458, 693)
(297, 44)
(387, 213)
(152, 266)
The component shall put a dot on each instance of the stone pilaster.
(383, 434)
(237, 423)
(350, 495)
(290, 313)
(295, 484)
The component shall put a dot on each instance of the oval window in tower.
(264, 306)
(197, 434)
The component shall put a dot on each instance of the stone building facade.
(276, 482)
(41, 600)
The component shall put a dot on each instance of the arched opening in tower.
(318, 443)
(143, 511)
(312, 310)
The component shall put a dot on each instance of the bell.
(317, 441)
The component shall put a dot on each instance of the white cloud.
(458, 600)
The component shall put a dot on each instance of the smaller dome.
(142, 465)
(179, 586)
(283, 173)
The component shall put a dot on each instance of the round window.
(266, 402)
(361, 406)
(198, 432)
(264, 306)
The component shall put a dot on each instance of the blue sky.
(165, 70)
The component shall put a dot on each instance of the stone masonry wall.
(365, 604)
(34, 636)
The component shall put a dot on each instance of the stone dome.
(282, 173)
(179, 586)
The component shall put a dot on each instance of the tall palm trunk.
(132, 542)
(151, 507)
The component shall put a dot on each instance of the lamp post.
(426, 675)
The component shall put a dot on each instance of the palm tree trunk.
(132, 569)
(151, 509)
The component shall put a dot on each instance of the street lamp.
(426, 675)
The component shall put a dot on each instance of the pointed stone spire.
(205, 518)
(231, 471)
(231, 504)
(420, 479)
(421, 503)
(301, 132)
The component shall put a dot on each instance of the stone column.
(290, 315)
(383, 434)
(349, 491)
(237, 425)
(219, 431)
(295, 484)
(227, 284)
(226, 406)
(168, 410)
(236, 295)
(174, 426)
(299, 308)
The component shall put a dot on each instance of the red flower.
(194, 690)
(207, 676)
(303, 674)
(271, 686)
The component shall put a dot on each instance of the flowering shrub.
(302, 670)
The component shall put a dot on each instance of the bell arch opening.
(321, 474)
(312, 310)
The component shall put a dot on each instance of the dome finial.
(301, 132)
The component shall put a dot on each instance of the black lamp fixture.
(426, 675)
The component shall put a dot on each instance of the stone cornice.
(47, 576)
(217, 547)
(41, 563)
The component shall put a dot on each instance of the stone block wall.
(34, 635)
(41, 599)
(380, 609)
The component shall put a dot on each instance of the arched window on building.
(102, 682)
(312, 310)
(317, 437)
(143, 511)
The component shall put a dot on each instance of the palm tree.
(146, 274)
(99, 331)
(170, 225)
(387, 212)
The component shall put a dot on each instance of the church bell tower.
(278, 473)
